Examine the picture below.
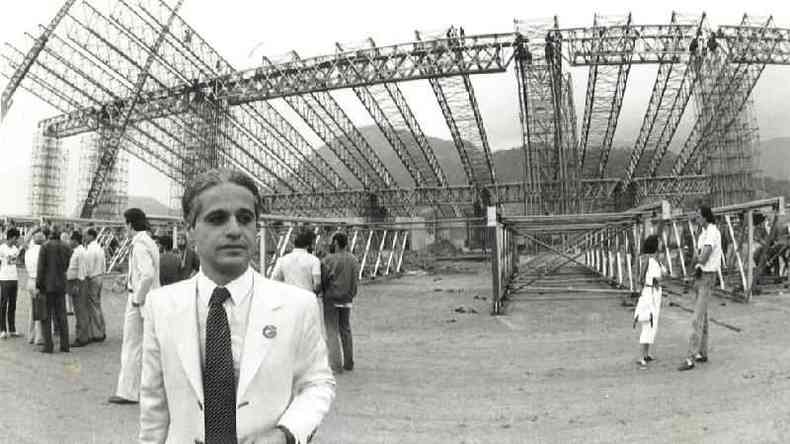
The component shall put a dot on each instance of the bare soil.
(431, 370)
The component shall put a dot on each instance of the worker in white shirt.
(300, 268)
(95, 264)
(31, 265)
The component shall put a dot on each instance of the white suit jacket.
(283, 380)
(143, 267)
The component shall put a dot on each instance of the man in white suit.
(229, 356)
(142, 278)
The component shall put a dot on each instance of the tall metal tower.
(48, 172)
(115, 197)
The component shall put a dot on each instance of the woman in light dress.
(648, 307)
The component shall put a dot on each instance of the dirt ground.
(549, 371)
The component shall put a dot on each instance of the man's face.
(224, 228)
(182, 242)
(89, 238)
(128, 230)
(12, 241)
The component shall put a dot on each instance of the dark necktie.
(219, 385)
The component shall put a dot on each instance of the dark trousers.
(338, 333)
(56, 312)
(8, 291)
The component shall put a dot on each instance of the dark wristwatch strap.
(289, 437)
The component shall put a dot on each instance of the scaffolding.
(48, 168)
(733, 161)
(201, 145)
(114, 198)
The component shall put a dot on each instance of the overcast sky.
(244, 30)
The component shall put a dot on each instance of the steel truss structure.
(598, 255)
(378, 248)
(605, 90)
(142, 78)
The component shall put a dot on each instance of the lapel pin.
(269, 331)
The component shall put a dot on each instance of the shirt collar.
(299, 250)
(239, 288)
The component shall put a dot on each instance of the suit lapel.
(263, 305)
(186, 327)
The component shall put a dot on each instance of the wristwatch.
(289, 437)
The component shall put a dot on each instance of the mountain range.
(509, 165)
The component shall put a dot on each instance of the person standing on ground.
(53, 261)
(31, 265)
(142, 278)
(340, 274)
(75, 279)
(707, 266)
(300, 268)
(197, 385)
(169, 262)
(9, 256)
(649, 306)
(95, 264)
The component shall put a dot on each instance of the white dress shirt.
(75, 264)
(298, 268)
(94, 261)
(237, 308)
(31, 264)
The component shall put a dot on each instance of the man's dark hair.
(166, 242)
(212, 178)
(304, 239)
(91, 232)
(137, 218)
(11, 233)
(341, 239)
(76, 236)
(707, 214)
(650, 245)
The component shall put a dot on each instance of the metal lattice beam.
(15, 79)
(112, 146)
(668, 100)
(605, 89)
(479, 54)
(465, 195)
(728, 94)
(456, 98)
(371, 98)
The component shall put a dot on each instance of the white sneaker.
(3, 335)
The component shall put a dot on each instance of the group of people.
(706, 265)
(334, 279)
(55, 268)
